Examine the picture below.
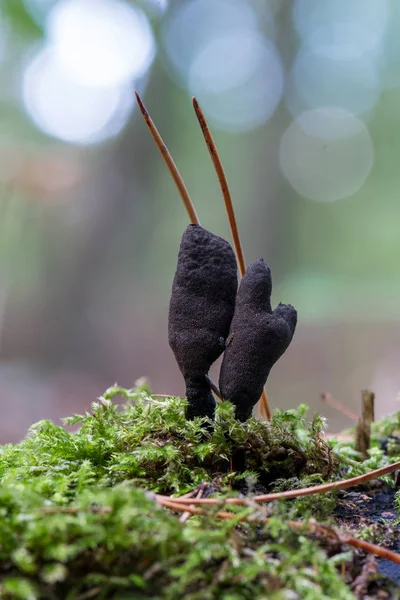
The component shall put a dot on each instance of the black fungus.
(258, 337)
(201, 310)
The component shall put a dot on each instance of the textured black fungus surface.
(258, 337)
(201, 310)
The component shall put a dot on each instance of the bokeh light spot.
(317, 80)
(370, 15)
(238, 79)
(342, 41)
(326, 154)
(101, 42)
(68, 111)
(197, 23)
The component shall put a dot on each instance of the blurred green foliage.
(20, 19)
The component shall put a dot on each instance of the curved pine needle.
(213, 386)
(219, 169)
(265, 405)
(224, 185)
(173, 169)
(185, 516)
(290, 494)
(327, 398)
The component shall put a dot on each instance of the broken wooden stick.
(363, 428)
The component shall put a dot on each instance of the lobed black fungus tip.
(258, 338)
(256, 286)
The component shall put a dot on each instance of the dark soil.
(373, 507)
(370, 506)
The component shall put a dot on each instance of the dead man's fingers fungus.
(258, 338)
(201, 310)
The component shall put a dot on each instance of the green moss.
(78, 518)
(149, 441)
(388, 426)
(380, 533)
(117, 541)
(319, 506)
(397, 503)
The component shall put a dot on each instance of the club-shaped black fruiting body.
(258, 338)
(201, 310)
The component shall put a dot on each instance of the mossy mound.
(149, 441)
(78, 518)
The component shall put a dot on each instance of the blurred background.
(303, 97)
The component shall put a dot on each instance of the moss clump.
(150, 441)
(75, 524)
(78, 519)
(117, 543)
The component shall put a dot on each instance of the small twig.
(152, 570)
(363, 430)
(90, 593)
(184, 516)
(327, 398)
(265, 406)
(190, 494)
(178, 506)
(370, 548)
(368, 406)
(317, 489)
(219, 169)
(173, 169)
(213, 386)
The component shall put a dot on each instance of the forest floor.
(132, 500)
